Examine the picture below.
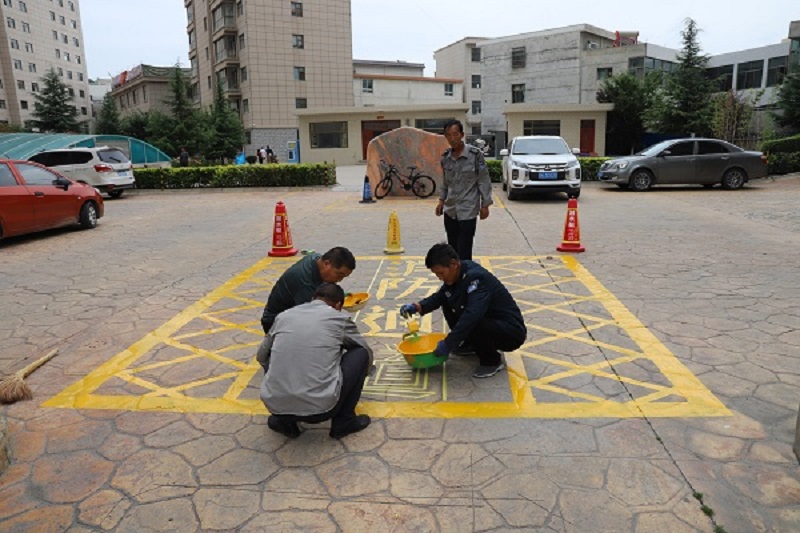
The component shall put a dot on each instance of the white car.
(106, 168)
(541, 163)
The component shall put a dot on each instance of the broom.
(14, 389)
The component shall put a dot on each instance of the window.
(35, 175)
(518, 93)
(29, 47)
(297, 9)
(476, 107)
(144, 90)
(682, 148)
(55, 35)
(7, 178)
(244, 74)
(246, 105)
(749, 75)
(26, 28)
(21, 84)
(60, 71)
(431, 125)
(34, 87)
(64, 38)
(476, 128)
(604, 73)
(328, 134)
(2, 104)
(300, 73)
(776, 70)
(448, 89)
(241, 42)
(69, 76)
(710, 147)
(476, 55)
(80, 76)
(66, 56)
(52, 15)
(23, 7)
(74, 24)
(11, 23)
(366, 86)
(297, 41)
(300, 103)
(239, 8)
(722, 77)
(76, 42)
(62, 20)
(58, 53)
(15, 44)
(518, 57)
(23, 104)
(476, 81)
(84, 111)
(209, 82)
(31, 67)
(71, 6)
(541, 127)
(71, 91)
(18, 64)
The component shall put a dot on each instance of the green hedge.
(787, 144)
(589, 167)
(780, 163)
(236, 176)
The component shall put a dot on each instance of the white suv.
(541, 163)
(106, 168)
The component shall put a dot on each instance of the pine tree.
(226, 135)
(108, 122)
(187, 129)
(688, 105)
(788, 102)
(53, 110)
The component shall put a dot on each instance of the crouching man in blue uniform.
(478, 309)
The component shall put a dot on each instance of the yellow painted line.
(402, 391)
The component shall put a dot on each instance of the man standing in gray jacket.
(318, 362)
(466, 191)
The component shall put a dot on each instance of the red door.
(52, 205)
(16, 204)
(587, 137)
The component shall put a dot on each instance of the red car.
(35, 198)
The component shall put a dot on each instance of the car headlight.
(620, 165)
(574, 164)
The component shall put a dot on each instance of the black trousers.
(355, 365)
(491, 335)
(461, 235)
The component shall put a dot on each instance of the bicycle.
(421, 185)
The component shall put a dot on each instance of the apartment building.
(37, 35)
(462, 60)
(272, 58)
(144, 88)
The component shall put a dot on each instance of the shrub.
(787, 144)
(236, 176)
(495, 170)
(783, 163)
(251, 159)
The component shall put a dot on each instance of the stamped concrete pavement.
(710, 274)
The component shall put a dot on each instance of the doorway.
(372, 128)
(587, 137)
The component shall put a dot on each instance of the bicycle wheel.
(423, 186)
(383, 188)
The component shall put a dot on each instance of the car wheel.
(734, 179)
(88, 218)
(640, 181)
(116, 194)
(505, 185)
(512, 194)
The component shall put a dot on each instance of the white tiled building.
(37, 35)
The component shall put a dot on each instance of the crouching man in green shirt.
(318, 362)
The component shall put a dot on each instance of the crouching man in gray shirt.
(318, 362)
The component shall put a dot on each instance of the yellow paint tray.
(355, 301)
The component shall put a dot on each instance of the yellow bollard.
(393, 236)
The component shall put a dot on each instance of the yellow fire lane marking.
(403, 391)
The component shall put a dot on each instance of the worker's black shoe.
(353, 426)
(284, 427)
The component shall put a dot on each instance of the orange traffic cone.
(281, 235)
(572, 230)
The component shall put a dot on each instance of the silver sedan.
(707, 162)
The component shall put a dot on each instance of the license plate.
(599, 173)
(548, 175)
(122, 172)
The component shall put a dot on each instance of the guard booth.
(293, 152)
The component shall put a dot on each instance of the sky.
(120, 34)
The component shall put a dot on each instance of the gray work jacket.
(466, 185)
(304, 348)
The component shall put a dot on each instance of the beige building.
(273, 57)
(144, 88)
(36, 36)
(462, 60)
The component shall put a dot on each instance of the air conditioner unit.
(591, 45)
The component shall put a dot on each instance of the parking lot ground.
(658, 386)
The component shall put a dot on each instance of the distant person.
(318, 365)
(183, 158)
(262, 154)
(271, 158)
(466, 191)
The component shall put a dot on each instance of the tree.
(733, 114)
(226, 133)
(788, 103)
(135, 125)
(108, 122)
(632, 97)
(53, 110)
(187, 128)
(687, 104)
